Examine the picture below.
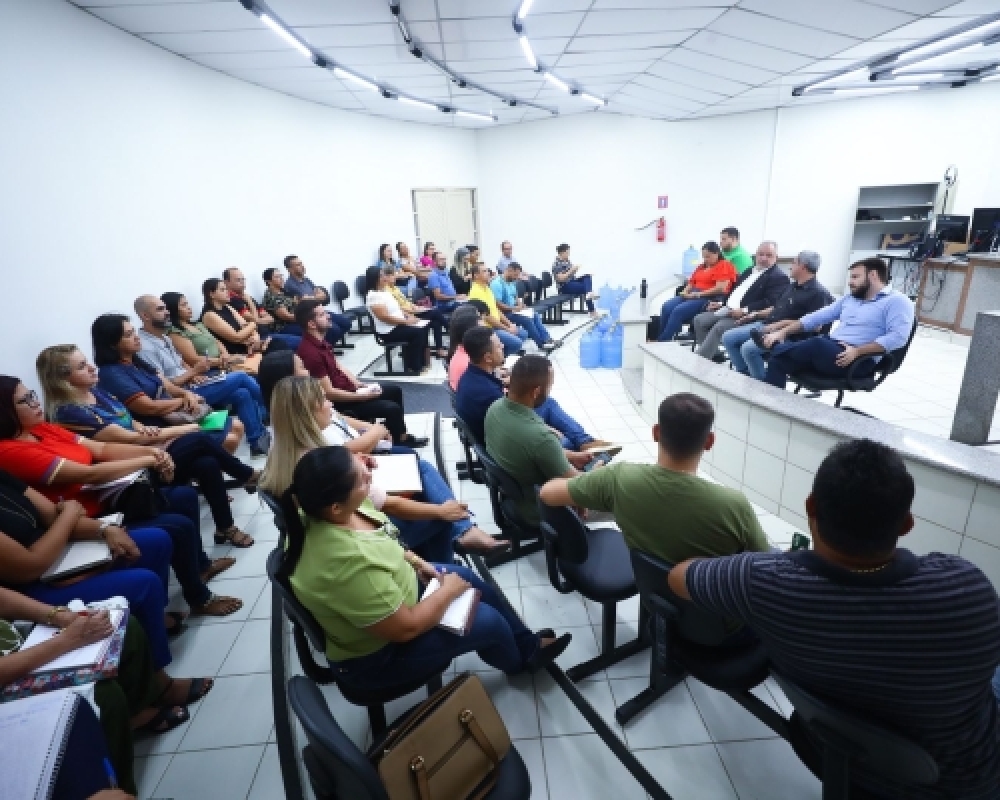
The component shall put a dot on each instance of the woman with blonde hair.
(433, 524)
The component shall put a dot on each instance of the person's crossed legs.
(817, 354)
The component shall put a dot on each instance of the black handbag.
(140, 500)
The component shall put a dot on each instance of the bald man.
(235, 389)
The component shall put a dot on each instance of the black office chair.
(505, 496)
(338, 770)
(594, 562)
(359, 314)
(470, 469)
(551, 308)
(389, 347)
(833, 743)
(306, 632)
(888, 364)
(689, 640)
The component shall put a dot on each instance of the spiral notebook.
(34, 731)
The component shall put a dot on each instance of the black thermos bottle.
(642, 288)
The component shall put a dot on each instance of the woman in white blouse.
(394, 324)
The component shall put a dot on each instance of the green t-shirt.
(672, 515)
(739, 258)
(525, 447)
(352, 579)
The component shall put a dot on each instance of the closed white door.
(446, 217)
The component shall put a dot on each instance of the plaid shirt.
(272, 300)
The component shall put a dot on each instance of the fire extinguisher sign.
(661, 201)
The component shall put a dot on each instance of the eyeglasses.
(30, 399)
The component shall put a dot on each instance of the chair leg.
(660, 682)
(388, 371)
(610, 654)
(836, 773)
(840, 398)
(376, 716)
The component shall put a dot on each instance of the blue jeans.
(242, 392)
(744, 354)
(675, 312)
(497, 634)
(578, 286)
(143, 584)
(530, 322)
(432, 539)
(815, 354)
(511, 343)
(574, 436)
(182, 520)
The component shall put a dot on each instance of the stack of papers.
(462, 611)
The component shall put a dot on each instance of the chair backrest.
(340, 292)
(900, 352)
(361, 286)
(563, 527)
(345, 769)
(295, 611)
(505, 483)
(546, 280)
(522, 287)
(506, 494)
(692, 623)
(464, 431)
(875, 749)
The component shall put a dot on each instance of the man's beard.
(862, 291)
(160, 324)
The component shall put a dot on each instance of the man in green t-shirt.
(665, 509)
(520, 442)
(733, 251)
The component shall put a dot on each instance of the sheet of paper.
(456, 618)
(87, 656)
(397, 473)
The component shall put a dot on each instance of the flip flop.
(172, 716)
(198, 689)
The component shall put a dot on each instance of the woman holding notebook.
(141, 697)
(345, 564)
(433, 523)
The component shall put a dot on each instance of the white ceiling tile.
(918, 7)
(715, 45)
(178, 19)
(659, 101)
(508, 48)
(601, 70)
(693, 77)
(848, 17)
(488, 65)
(274, 59)
(376, 54)
(661, 4)
(219, 41)
(541, 26)
(644, 56)
(678, 89)
(500, 28)
(786, 36)
(463, 9)
(323, 12)
(826, 65)
(711, 66)
(927, 27)
(287, 76)
(613, 22)
(872, 49)
(625, 42)
(334, 36)
(970, 8)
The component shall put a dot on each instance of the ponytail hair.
(322, 477)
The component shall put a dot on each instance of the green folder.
(215, 421)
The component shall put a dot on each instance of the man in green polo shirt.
(665, 509)
(733, 251)
(523, 445)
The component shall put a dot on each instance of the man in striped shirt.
(907, 641)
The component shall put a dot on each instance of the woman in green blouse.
(193, 340)
(345, 564)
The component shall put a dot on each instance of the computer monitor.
(952, 228)
(985, 230)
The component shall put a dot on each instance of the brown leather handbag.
(449, 748)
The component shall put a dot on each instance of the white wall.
(126, 169)
(790, 175)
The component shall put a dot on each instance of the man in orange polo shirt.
(711, 280)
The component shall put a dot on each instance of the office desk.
(953, 292)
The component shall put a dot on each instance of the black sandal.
(235, 537)
(198, 689)
(171, 717)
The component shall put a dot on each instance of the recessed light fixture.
(591, 99)
(528, 52)
(559, 84)
(473, 115)
(418, 103)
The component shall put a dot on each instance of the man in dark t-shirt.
(909, 642)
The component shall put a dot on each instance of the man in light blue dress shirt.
(504, 288)
(874, 319)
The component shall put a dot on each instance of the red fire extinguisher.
(661, 230)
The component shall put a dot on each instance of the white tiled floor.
(695, 741)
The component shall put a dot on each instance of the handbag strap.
(419, 768)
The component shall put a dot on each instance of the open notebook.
(76, 558)
(397, 473)
(81, 658)
(462, 611)
(34, 732)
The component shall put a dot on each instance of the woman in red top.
(712, 279)
(58, 464)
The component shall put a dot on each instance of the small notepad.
(82, 658)
(461, 613)
(76, 558)
(397, 473)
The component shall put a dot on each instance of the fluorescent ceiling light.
(556, 82)
(528, 54)
(418, 103)
(472, 115)
(350, 76)
(990, 79)
(591, 99)
(286, 35)
(522, 12)
(922, 76)
(947, 42)
(847, 76)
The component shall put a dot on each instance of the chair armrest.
(882, 368)
(550, 540)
